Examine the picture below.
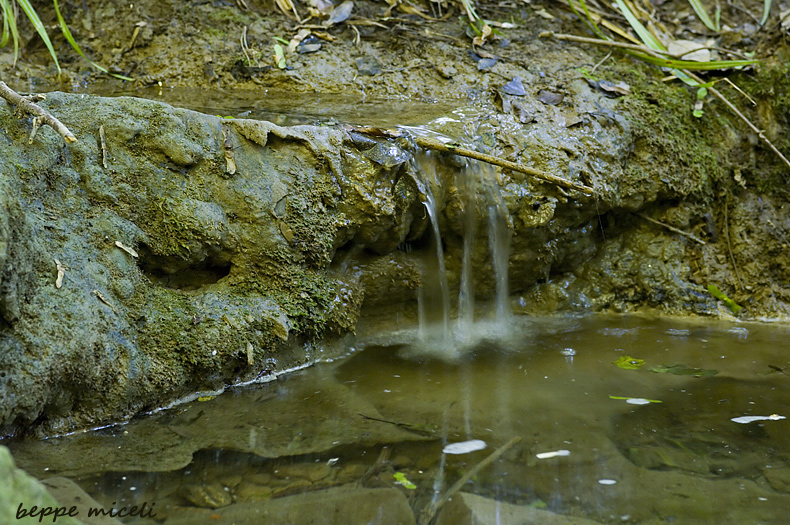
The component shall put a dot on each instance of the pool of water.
(589, 420)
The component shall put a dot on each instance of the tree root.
(27, 106)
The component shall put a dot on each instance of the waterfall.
(481, 204)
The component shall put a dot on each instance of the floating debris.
(636, 400)
(553, 454)
(400, 479)
(607, 481)
(626, 362)
(751, 419)
(464, 447)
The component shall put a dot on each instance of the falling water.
(480, 194)
(499, 241)
(425, 185)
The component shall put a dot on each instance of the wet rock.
(310, 471)
(337, 506)
(70, 494)
(169, 440)
(207, 495)
(245, 253)
(471, 508)
(18, 487)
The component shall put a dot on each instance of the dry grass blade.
(766, 12)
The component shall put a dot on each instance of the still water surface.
(370, 432)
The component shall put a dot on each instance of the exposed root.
(670, 228)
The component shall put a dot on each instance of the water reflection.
(365, 439)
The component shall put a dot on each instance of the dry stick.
(24, 105)
(542, 175)
(427, 515)
(671, 228)
(715, 92)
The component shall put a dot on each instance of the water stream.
(598, 443)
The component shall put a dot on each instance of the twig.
(670, 228)
(429, 512)
(542, 175)
(25, 105)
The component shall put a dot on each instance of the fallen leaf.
(514, 87)
(548, 97)
(626, 362)
(339, 13)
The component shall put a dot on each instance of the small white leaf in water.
(553, 454)
(607, 481)
(637, 401)
(464, 447)
(749, 419)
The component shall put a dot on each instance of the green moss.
(664, 128)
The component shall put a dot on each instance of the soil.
(303, 273)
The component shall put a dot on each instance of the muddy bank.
(198, 251)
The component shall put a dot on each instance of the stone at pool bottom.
(471, 508)
(335, 506)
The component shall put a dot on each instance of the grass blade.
(9, 23)
(42, 32)
(703, 15)
(692, 65)
(766, 12)
(647, 37)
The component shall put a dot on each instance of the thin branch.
(25, 105)
(542, 175)
(670, 228)
(429, 512)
